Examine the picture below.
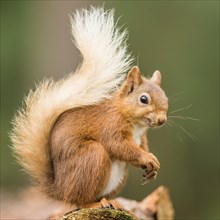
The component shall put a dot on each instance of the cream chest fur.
(118, 167)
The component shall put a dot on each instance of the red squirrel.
(76, 136)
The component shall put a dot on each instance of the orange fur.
(86, 141)
(76, 137)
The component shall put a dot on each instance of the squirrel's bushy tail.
(103, 67)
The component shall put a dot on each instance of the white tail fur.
(105, 62)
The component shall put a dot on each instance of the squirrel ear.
(156, 78)
(133, 80)
(134, 75)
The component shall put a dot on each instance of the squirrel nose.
(161, 121)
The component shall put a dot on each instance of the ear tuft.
(134, 76)
(135, 69)
(133, 80)
(156, 78)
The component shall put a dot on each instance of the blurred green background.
(180, 38)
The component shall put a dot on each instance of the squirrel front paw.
(151, 165)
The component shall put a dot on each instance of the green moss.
(101, 213)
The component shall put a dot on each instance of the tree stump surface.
(156, 206)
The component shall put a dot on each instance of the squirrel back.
(103, 67)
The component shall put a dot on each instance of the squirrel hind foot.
(103, 203)
(113, 204)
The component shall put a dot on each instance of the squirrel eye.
(144, 99)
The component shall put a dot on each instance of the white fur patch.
(137, 132)
(118, 167)
(116, 177)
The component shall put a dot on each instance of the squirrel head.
(142, 100)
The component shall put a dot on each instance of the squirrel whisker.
(183, 117)
(192, 136)
(181, 109)
(175, 97)
(170, 125)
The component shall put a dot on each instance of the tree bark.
(156, 206)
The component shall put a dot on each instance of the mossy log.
(156, 206)
(95, 214)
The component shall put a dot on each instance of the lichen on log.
(97, 214)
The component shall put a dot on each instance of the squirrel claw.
(112, 204)
(147, 176)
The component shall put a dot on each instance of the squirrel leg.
(81, 176)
